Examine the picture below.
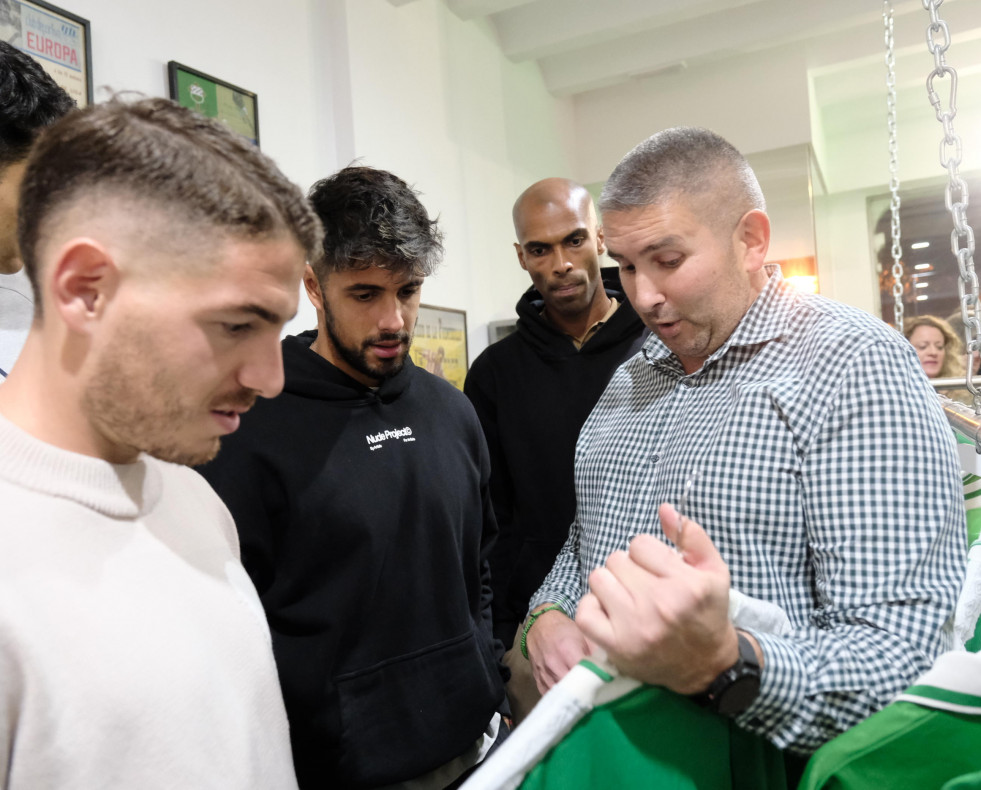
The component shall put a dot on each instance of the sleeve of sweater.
(488, 538)
(481, 388)
(11, 700)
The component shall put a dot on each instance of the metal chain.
(897, 248)
(956, 193)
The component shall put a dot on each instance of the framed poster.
(235, 107)
(440, 343)
(57, 39)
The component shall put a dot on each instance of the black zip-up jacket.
(533, 391)
(365, 523)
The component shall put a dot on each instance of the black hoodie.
(365, 523)
(533, 391)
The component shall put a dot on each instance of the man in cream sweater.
(166, 255)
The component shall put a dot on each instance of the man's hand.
(555, 645)
(663, 617)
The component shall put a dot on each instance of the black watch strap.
(734, 690)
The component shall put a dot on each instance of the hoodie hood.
(309, 375)
(550, 342)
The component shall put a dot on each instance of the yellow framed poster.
(439, 344)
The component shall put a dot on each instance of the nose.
(560, 263)
(647, 293)
(262, 368)
(390, 319)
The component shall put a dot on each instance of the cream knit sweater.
(133, 649)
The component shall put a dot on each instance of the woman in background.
(940, 351)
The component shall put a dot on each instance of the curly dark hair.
(155, 153)
(31, 101)
(373, 218)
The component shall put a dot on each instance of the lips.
(227, 420)
(228, 413)
(566, 287)
(387, 351)
(668, 328)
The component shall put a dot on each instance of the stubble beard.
(134, 405)
(357, 357)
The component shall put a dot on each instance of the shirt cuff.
(782, 688)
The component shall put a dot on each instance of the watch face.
(739, 695)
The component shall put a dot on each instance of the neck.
(324, 347)
(576, 325)
(42, 397)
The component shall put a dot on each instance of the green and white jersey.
(929, 738)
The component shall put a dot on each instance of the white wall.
(411, 89)
(731, 101)
(468, 128)
(242, 43)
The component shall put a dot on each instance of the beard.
(357, 355)
(139, 399)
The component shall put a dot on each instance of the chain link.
(956, 196)
(897, 247)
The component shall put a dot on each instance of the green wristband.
(531, 621)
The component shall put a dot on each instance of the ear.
(521, 255)
(600, 240)
(312, 286)
(753, 235)
(83, 281)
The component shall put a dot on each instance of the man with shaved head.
(534, 389)
(815, 466)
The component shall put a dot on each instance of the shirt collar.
(579, 342)
(766, 320)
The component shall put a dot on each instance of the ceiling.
(582, 45)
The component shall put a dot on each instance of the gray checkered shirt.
(829, 483)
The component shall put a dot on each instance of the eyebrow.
(261, 312)
(567, 238)
(374, 287)
(667, 241)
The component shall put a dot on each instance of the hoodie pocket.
(405, 716)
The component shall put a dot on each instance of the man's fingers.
(699, 550)
(653, 555)
(594, 622)
(611, 583)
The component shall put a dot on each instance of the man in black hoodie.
(362, 500)
(534, 389)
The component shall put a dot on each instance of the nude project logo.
(376, 440)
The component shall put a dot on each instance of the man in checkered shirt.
(828, 481)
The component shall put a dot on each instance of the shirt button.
(655, 458)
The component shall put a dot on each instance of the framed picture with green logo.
(235, 107)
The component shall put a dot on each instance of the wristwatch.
(733, 691)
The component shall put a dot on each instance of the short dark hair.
(685, 163)
(31, 101)
(373, 218)
(158, 154)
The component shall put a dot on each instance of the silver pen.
(682, 508)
